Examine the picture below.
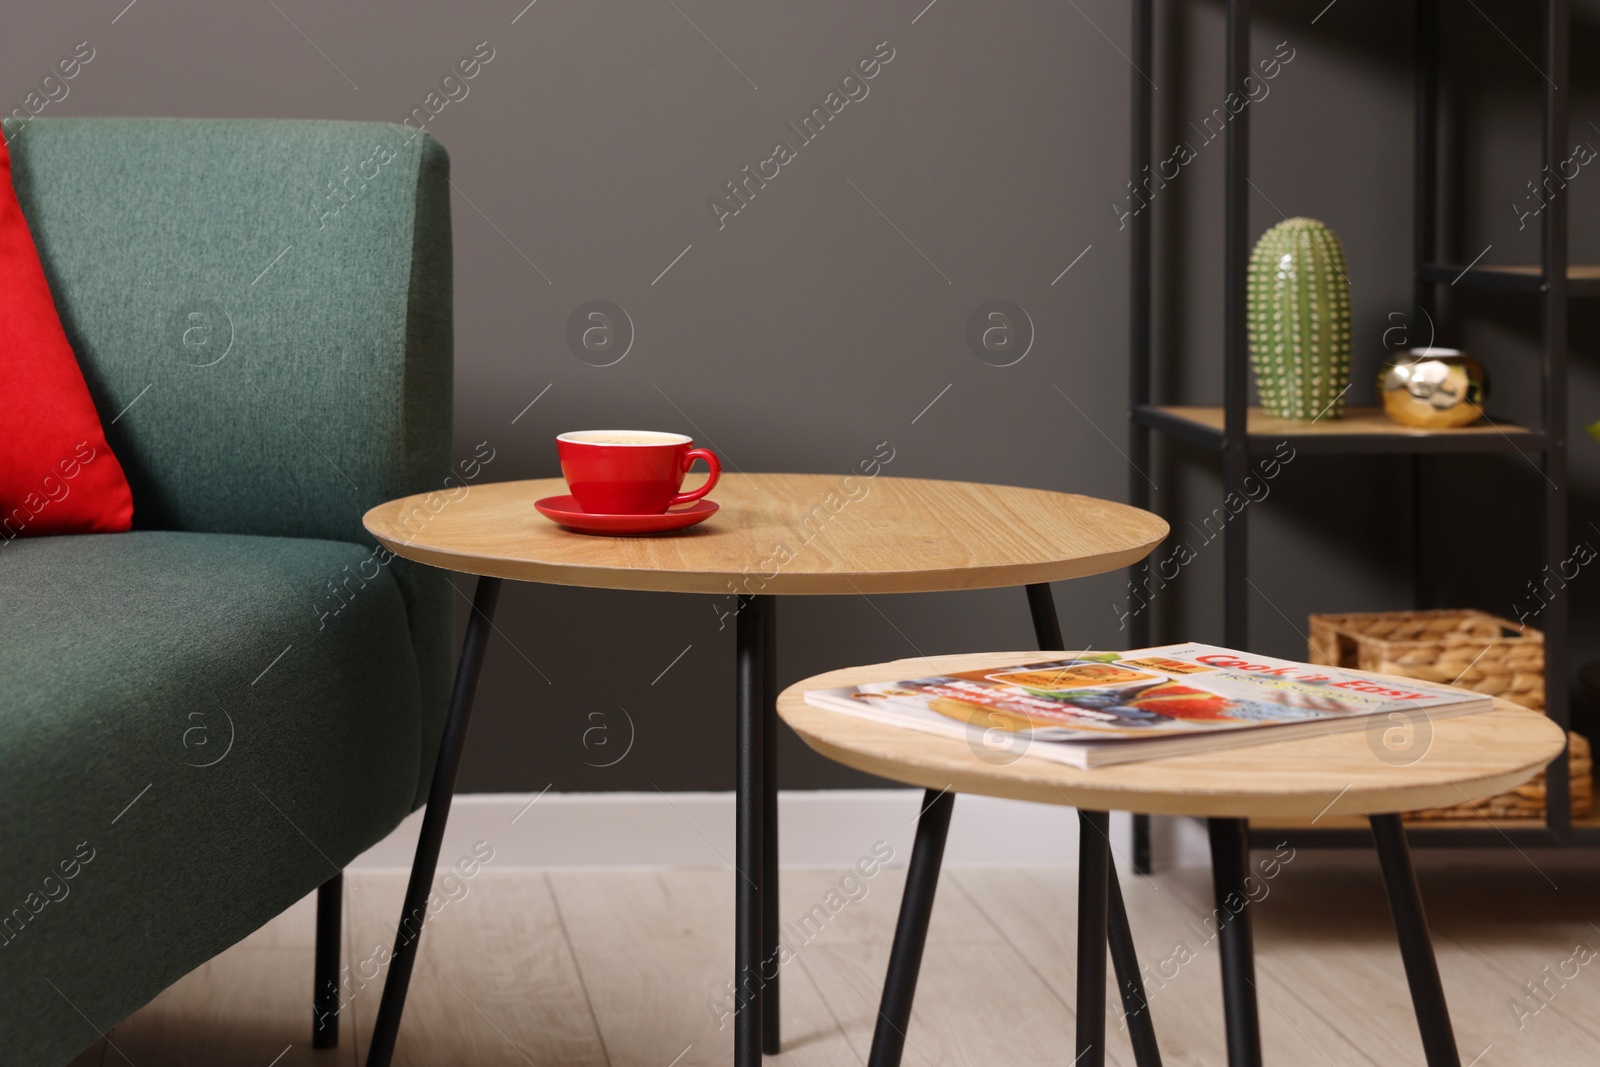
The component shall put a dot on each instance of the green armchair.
(204, 719)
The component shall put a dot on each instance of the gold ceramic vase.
(1433, 388)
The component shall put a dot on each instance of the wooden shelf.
(1352, 832)
(1358, 822)
(1342, 832)
(1583, 279)
(1361, 429)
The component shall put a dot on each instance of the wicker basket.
(1471, 649)
(1527, 800)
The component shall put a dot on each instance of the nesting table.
(775, 535)
(1470, 757)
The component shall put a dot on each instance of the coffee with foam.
(623, 437)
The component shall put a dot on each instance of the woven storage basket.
(1527, 800)
(1471, 649)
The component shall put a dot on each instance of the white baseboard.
(822, 828)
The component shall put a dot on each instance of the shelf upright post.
(1139, 357)
(1139, 307)
(1235, 348)
(1425, 250)
(1425, 187)
(1557, 14)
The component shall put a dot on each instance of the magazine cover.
(1114, 706)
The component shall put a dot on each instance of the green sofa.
(204, 719)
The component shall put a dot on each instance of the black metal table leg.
(1047, 631)
(1416, 947)
(750, 765)
(771, 1019)
(1125, 960)
(409, 932)
(1230, 866)
(1094, 889)
(911, 932)
(1141, 845)
(325, 991)
(1046, 623)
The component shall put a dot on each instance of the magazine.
(1099, 708)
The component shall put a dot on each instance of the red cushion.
(57, 474)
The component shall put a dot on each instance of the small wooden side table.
(775, 535)
(1468, 758)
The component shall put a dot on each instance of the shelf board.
(1423, 833)
(1359, 822)
(1583, 279)
(1352, 832)
(1364, 429)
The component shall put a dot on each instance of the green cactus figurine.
(1299, 312)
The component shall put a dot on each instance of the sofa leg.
(325, 993)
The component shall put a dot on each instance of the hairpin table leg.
(404, 953)
(1094, 890)
(1416, 947)
(771, 1037)
(750, 868)
(1230, 866)
(911, 932)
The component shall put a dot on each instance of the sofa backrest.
(262, 310)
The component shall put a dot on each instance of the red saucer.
(564, 510)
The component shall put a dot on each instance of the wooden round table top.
(1469, 757)
(783, 534)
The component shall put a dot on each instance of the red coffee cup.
(631, 472)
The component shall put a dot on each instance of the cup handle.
(711, 476)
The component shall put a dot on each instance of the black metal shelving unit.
(1236, 432)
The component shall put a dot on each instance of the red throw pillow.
(57, 474)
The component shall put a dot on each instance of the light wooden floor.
(583, 969)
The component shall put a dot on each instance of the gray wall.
(825, 316)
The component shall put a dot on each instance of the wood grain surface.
(1467, 758)
(784, 534)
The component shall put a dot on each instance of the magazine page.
(1172, 691)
